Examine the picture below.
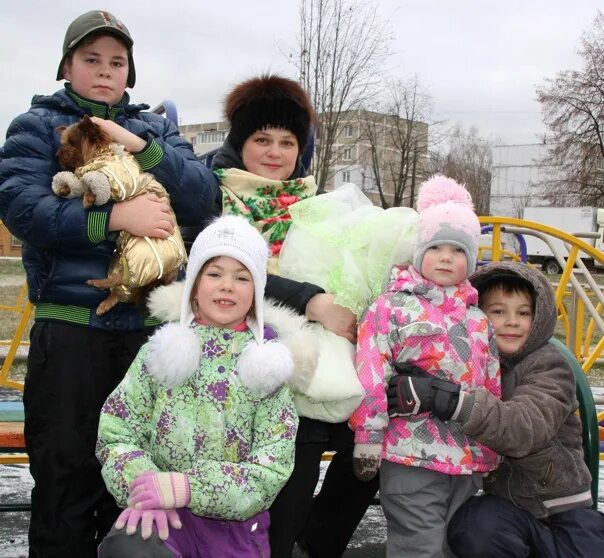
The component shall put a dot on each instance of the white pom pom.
(173, 355)
(164, 302)
(263, 368)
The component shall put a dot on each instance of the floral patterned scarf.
(264, 202)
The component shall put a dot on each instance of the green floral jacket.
(236, 448)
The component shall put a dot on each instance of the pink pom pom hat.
(446, 216)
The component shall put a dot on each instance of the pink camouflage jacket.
(442, 331)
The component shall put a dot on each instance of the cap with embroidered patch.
(97, 21)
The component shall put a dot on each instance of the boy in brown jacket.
(538, 500)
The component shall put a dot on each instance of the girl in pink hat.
(428, 317)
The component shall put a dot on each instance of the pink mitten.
(159, 490)
(131, 517)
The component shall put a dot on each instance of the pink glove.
(161, 518)
(167, 491)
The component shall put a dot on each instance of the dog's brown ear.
(93, 132)
(60, 129)
(87, 126)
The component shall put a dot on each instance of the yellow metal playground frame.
(24, 308)
(576, 290)
(576, 286)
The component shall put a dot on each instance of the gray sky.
(479, 59)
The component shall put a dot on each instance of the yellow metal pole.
(12, 350)
(589, 362)
(578, 333)
(496, 243)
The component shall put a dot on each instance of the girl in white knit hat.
(426, 317)
(198, 439)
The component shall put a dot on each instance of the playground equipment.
(23, 308)
(579, 298)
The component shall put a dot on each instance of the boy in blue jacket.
(76, 358)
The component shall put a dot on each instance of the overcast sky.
(480, 60)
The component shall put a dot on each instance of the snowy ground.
(16, 483)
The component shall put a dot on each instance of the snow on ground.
(16, 484)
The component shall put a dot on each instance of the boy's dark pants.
(326, 523)
(492, 527)
(70, 372)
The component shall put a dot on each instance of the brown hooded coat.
(534, 427)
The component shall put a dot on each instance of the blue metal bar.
(521, 241)
(168, 108)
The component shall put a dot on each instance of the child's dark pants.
(70, 372)
(326, 523)
(492, 527)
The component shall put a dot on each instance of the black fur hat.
(268, 101)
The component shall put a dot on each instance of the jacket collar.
(98, 108)
(454, 299)
(67, 101)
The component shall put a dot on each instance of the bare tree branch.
(573, 110)
(469, 161)
(395, 136)
(342, 45)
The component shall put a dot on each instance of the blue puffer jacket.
(64, 244)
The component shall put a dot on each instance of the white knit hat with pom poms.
(174, 350)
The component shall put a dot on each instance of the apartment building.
(370, 148)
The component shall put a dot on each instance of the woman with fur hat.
(198, 439)
(262, 175)
(259, 166)
(427, 316)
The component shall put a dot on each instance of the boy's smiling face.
(512, 317)
(99, 70)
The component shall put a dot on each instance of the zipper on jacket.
(548, 474)
(510, 486)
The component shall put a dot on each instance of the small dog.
(102, 171)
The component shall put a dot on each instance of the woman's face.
(271, 153)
